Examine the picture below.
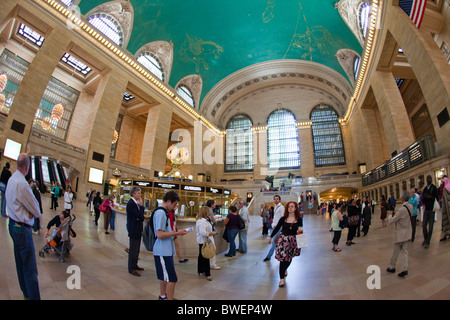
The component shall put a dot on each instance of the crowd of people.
(282, 224)
(404, 216)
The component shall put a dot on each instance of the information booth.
(192, 197)
(160, 188)
(146, 187)
(124, 190)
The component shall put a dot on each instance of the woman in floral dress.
(286, 244)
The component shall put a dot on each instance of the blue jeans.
(25, 257)
(3, 203)
(272, 247)
(231, 236)
(243, 240)
(112, 222)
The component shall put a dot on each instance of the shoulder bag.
(208, 249)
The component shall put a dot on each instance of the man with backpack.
(164, 247)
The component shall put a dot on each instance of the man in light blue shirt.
(164, 247)
(22, 208)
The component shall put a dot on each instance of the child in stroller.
(60, 240)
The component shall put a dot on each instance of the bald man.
(22, 209)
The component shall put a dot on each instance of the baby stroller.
(60, 240)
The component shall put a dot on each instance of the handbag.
(301, 240)
(225, 235)
(102, 207)
(269, 223)
(208, 249)
(436, 206)
(353, 221)
(241, 223)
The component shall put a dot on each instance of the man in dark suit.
(135, 224)
(430, 194)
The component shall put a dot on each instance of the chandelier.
(46, 123)
(3, 81)
(116, 137)
(2, 103)
(57, 112)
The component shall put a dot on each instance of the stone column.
(348, 149)
(6, 12)
(307, 164)
(393, 113)
(34, 83)
(260, 158)
(429, 66)
(156, 137)
(105, 107)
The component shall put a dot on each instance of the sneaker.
(215, 267)
(161, 298)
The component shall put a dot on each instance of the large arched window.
(239, 144)
(356, 64)
(282, 140)
(108, 25)
(152, 63)
(327, 137)
(185, 93)
(363, 18)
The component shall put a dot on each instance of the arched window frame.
(151, 61)
(363, 18)
(283, 151)
(239, 144)
(186, 93)
(356, 65)
(327, 137)
(114, 34)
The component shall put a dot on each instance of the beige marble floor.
(318, 273)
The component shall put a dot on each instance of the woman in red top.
(107, 205)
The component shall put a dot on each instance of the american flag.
(414, 9)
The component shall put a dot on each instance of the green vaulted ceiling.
(216, 38)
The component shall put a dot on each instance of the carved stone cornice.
(195, 83)
(164, 51)
(349, 11)
(274, 74)
(122, 11)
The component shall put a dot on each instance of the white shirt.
(278, 213)
(68, 197)
(203, 228)
(245, 216)
(20, 200)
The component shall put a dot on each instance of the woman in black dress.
(290, 224)
(353, 215)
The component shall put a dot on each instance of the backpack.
(241, 223)
(149, 235)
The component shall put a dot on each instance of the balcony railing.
(420, 151)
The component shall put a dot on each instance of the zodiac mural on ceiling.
(315, 40)
(200, 52)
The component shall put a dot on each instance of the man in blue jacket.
(135, 225)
